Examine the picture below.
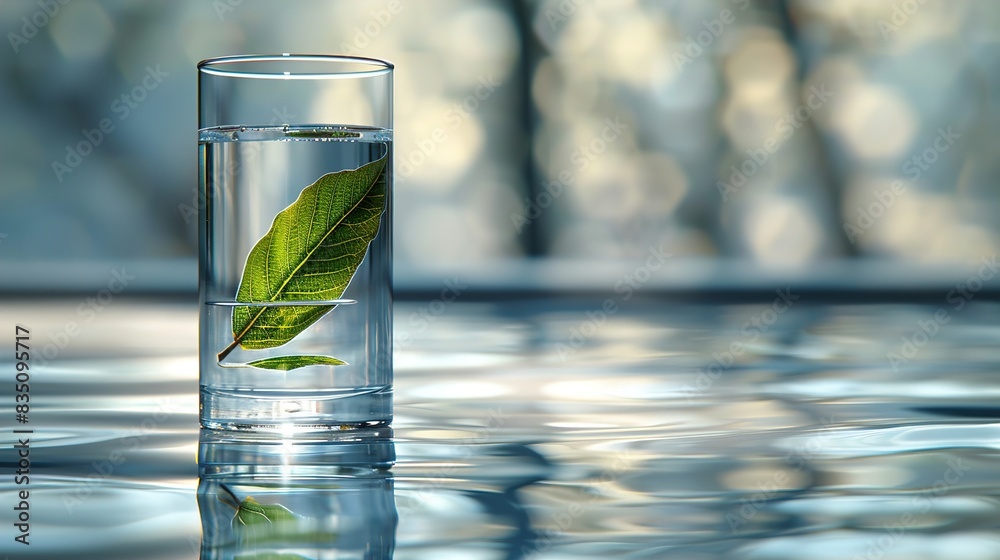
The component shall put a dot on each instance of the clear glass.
(269, 127)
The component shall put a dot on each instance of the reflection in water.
(646, 443)
(297, 499)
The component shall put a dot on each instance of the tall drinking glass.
(295, 242)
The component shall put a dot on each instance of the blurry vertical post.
(581, 158)
(785, 127)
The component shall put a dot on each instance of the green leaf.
(253, 513)
(258, 525)
(286, 363)
(311, 252)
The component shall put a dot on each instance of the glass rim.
(367, 67)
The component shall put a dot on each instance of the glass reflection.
(297, 498)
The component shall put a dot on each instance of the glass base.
(290, 413)
(227, 453)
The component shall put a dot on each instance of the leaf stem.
(232, 346)
(233, 501)
(239, 338)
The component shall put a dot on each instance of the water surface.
(528, 430)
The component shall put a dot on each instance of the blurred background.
(544, 146)
(556, 142)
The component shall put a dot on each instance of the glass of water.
(295, 243)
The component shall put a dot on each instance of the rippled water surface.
(529, 429)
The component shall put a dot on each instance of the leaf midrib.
(329, 232)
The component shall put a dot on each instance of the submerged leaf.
(286, 363)
(259, 525)
(311, 252)
(252, 513)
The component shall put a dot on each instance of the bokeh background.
(850, 141)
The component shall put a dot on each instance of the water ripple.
(808, 444)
